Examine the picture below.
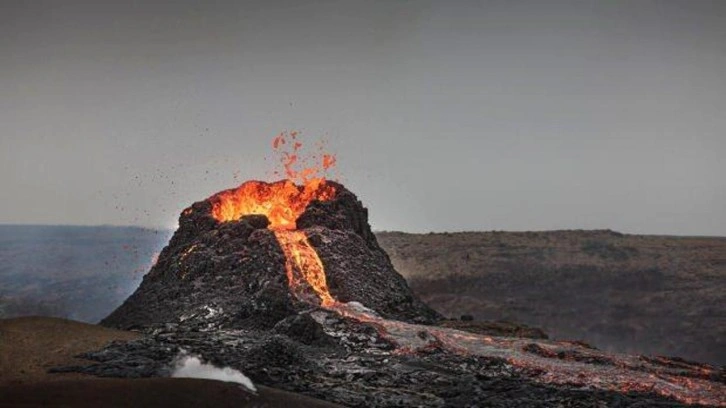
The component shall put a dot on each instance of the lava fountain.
(282, 202)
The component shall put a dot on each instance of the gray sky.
(445, 115)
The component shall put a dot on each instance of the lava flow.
(304, 266)
(282, 203)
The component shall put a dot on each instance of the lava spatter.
(282, 203)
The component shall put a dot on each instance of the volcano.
(285, 282)
(288, 284)
(256, 254)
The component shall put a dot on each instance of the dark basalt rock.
(500, 328)
(356, 267)
(232, 274)
(303, 328)
(344, 213)
(365, 374)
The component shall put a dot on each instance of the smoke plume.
(188, 366)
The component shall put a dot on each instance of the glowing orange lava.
(298, 167)
(282, 202)
(304, 266)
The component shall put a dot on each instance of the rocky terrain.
(322, 355)
(319, 310)
(627, 293)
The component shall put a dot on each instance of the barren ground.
(29, 346)
(628, 293)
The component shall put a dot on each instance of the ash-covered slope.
(233, 274)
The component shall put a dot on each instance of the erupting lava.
(282, 202)
(303, 265)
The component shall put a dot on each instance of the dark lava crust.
(323, 355)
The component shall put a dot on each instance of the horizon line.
(159, 228)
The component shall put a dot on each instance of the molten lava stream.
(304, 267)
(282, 202)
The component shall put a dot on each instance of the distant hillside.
(628, 293)
(81, 273)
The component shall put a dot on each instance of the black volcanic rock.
(344, 213)
(232, 274)
(367, 374)
(356, 267)
(303, 328)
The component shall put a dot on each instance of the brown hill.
(32, 345)
(628, 293)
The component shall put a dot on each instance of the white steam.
(192, 367)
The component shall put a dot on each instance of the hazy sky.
(445, 115)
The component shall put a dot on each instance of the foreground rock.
(29, 346)
(32, 345)
(353, 364)
(150, 392)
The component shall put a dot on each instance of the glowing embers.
(282, 201)
(305, 271)
(298, 166)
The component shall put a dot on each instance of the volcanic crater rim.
(282, 201)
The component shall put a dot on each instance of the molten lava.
(282, 202)
(303, 266)
(301, 168)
